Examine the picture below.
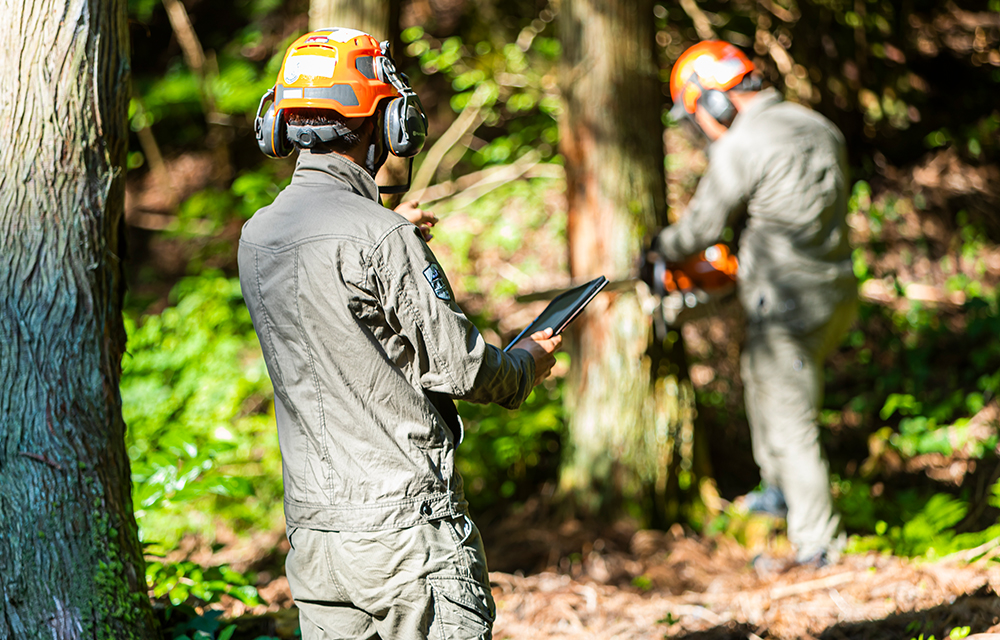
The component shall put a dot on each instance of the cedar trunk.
(70, 561)
(630, 406)
(377, 17)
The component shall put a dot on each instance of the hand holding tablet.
(562, 310)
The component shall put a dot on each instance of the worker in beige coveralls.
(366, 349)
(784, 167)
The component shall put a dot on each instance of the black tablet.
(563, 309)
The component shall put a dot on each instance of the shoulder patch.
(436, 280)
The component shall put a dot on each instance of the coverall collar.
(765, 98)
(318, 168)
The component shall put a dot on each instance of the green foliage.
(957, 633)
(506, 453)
(920, 371)
(936, 366)
(242, 58)
(924, 385)
(507, 224)
(196, 398)
(511, 84)
(205, 213)
(187, 582)
(920, 527)
(668, 619)
(644, 583)
(930, 416)
(192, 626)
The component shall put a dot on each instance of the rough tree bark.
(630, 406)
(70, 561)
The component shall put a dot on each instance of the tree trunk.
(70, 561)
(377, 17)
(630, 405)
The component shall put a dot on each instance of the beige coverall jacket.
(366, 347)
(784, 168)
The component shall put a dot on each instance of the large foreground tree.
(630, 405)
(70, 561)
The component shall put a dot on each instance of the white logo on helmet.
(720, 72)
(344, 35)
(308, 65)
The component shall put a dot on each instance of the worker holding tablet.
(367, 348)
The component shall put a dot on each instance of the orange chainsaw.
(687, 290)
(692, 288)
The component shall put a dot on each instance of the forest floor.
(585, 581)
(689, 588)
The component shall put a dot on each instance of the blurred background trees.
(545, 164)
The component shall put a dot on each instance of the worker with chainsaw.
(367, 348)
(781, 170)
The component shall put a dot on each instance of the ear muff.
(718, 105)
(269, 128)
(405, 126)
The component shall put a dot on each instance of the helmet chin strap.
(378, 153)
(399, 188)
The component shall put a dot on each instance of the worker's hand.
(423, 219)
(541, 345)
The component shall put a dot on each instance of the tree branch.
(780, 12)
(191, 47)
(465, 122)
(509, 173)
(701, 22)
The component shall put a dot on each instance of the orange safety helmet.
(703, 74)
(335, 69)
(347, 71)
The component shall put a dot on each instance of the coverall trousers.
(782, 374)
(426, 581)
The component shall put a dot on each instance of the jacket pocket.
(463, 609)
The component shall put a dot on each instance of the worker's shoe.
(818, 560)
(769, 500)
(768, 566)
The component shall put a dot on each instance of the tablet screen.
(563, 309)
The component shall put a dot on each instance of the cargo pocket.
(463, 610)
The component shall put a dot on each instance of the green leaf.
(246, 594)
(178, 594)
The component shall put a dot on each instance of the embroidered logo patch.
(436, 278)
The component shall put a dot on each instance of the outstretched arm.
(720, 199)
(423, 219)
